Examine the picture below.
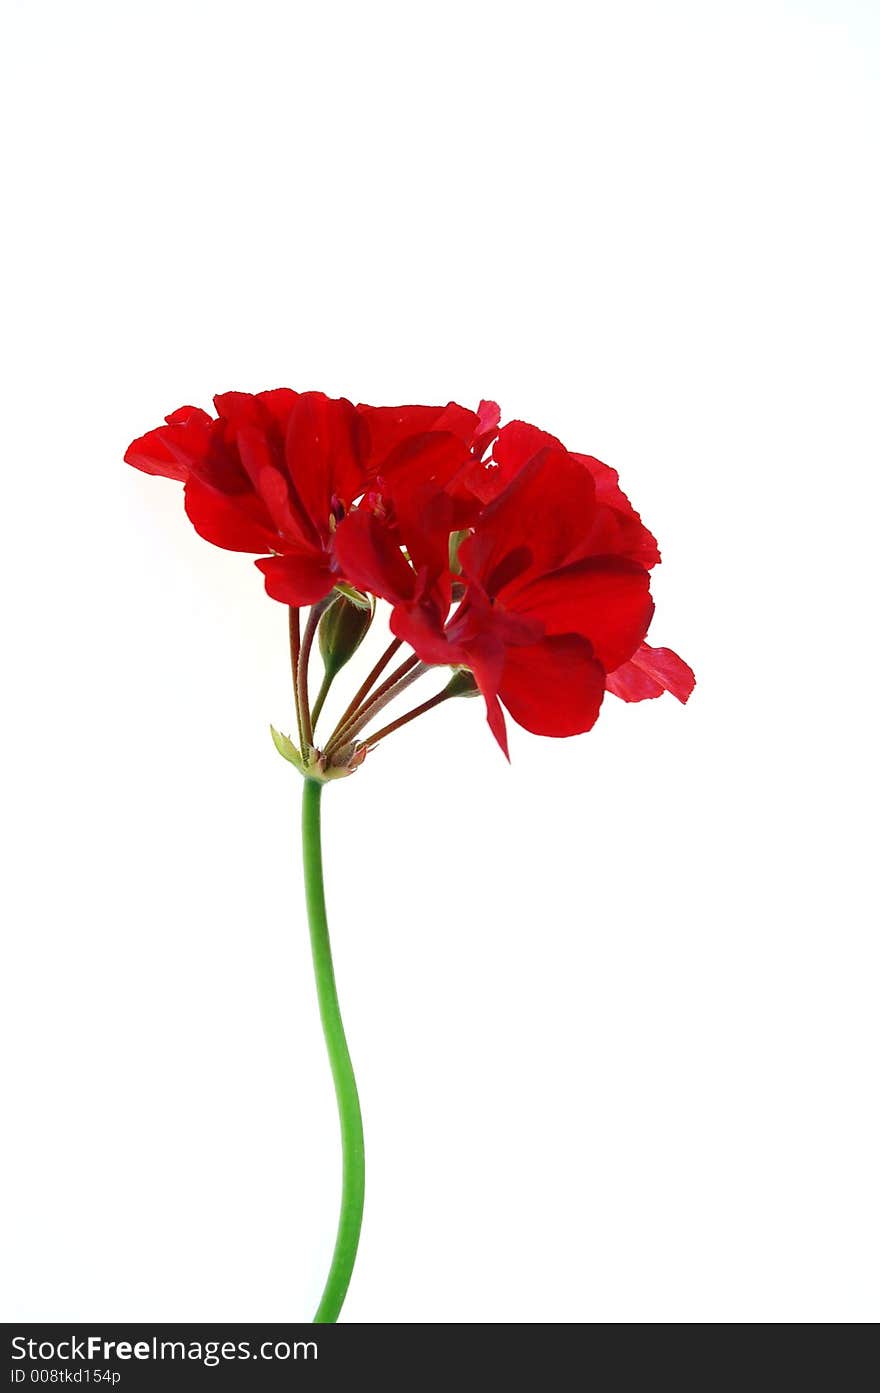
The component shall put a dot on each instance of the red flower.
(277, 471)
(527, 565)
(273, 473)
(546, 612)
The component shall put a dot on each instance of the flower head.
(499, 550)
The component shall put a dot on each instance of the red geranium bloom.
(277, 471)
(273, 473)
(618, 530)
(548, 607)
(499, 550)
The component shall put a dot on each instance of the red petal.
(389, 426)
(278, 403)
(484, 480)
(540, 518)
(486, 660)
(271, 485)
(265, 410)
(554, 687)
(615, 534)
(460, 420)
(189, 416)
(421, 626)
(497, 724)
(605, 600)
(649, 673)
(237, 522)
(488, 421)
(636, 541)
(324, 453)
(607, 481)
(370, 558)
(301, 578)
(239, 408)
(477, 617)
(432, 457)
(172, 449)
(518, 442)
(414, 481)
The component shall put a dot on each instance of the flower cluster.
(501, 553)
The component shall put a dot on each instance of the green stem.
(350, 1124)
(321, 698)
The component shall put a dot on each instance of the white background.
(613, 1008)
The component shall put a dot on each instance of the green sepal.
(462, 683)
(359, 600)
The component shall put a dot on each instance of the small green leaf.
(286, 748)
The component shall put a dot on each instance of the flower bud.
(462, 683)
(341, 631)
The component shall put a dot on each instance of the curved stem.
(350, 1124)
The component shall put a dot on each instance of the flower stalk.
(323, 690)
(301, 679)
(401, 678)
(367, 685)
(347, 1101)
(462, 684)
(295, 649)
